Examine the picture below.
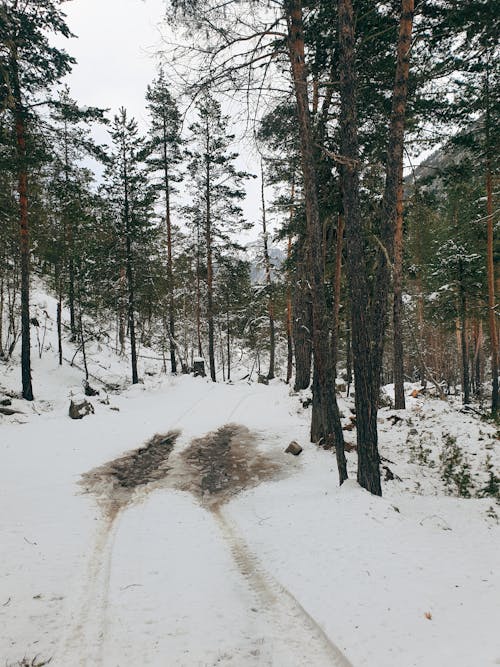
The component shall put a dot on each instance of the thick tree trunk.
(325, 394)
(366, 381)
(397, 310)
(24, 241)
(269, 282)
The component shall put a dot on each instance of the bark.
(289, 339)
(24, 240)
(336, 288)
(478, 341)
(269, 283)
(170, 273)
(198, 296)
(82, 344)
(122, 310)
(491, 266)
(325, 394)
(365, 378)
(130, 274)
(1, 317)
(464, 348)
(398, 353)
(210, 279)
(302, 322)
(59, 328)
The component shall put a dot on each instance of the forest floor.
(170, 528)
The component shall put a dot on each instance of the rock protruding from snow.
(294, 448)
(79, 410)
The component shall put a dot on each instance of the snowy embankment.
(292, 571)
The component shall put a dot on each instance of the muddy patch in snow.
(213, 468)
(223, 463)
(115, 482)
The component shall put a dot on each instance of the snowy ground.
(290, 572)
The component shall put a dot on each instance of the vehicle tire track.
(282, 605)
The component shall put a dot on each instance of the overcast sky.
(115, 47)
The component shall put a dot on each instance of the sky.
(116, 51)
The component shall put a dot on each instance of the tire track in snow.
(310, 644)
(83, 644)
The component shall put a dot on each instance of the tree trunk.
(198, 294)
(365, 380)
(478, 342)
(464, 348)
(24, 241)
(210, 286)
(491, 266)
(302, 321)
(130, 275)
(59, 327)
(289, 339)
(228, 341)
(82, 344)
(398, 354)
(336, 290)
(170, 273)
(269, 282)
(325, 394)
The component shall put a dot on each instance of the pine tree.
(165, 145)
(216, 189)
(131, 197)
(29, 66)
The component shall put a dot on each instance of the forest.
(382, 277)
(364, 281)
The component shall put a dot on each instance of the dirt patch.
(115, 483)
(224, 463)
(213, 468)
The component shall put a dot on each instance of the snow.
(293, 571)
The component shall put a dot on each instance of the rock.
(294, 448)
(5, 401)
(80, 410)
(262, 379)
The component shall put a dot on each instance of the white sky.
(115, 47)
(115, 51)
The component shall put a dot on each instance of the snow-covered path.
(166, 581)
(293, 571)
